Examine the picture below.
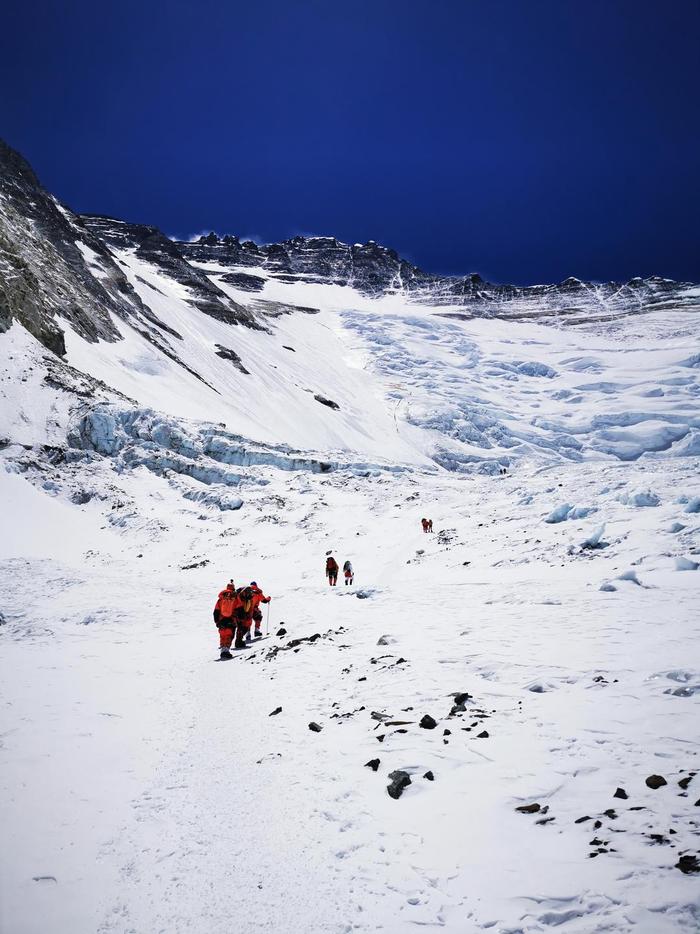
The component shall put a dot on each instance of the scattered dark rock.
(196, 564)
(447, 732)
(429, 775)
(315, 727)
(281, 631)
(657, 838)
(621, 793)
(638, 807)
(293, 643)
(544, 820)
(276, 711)
(398, 781)
(611, 813)
(597, 825)
(528, 808)
(684, 782)
(227, 354)
(375, 715)
(483, 735)
(286, 347)
(380, 738)
(327, 402)
(582, 820)
(427, 722)
(656, 781)
(386, 640)
(688, 864)
(372, 764)
(460, 704)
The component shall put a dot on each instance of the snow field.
(175, 801)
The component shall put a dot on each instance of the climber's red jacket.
(258, 597)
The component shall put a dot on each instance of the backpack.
(245, 595)
(331, 565)
(226, 600)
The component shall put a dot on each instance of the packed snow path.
(148, 787)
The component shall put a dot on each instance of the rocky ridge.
(376, 270)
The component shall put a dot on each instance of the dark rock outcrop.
(55, 265)
(152, 246)
(398, 781)
(227, 354)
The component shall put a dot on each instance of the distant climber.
(224, 618)
(424, 523)
(332, 570)
(258, 598)
(348, 573)
(430, 525)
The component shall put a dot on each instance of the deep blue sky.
(524, 139)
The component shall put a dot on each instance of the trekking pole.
(267, 623)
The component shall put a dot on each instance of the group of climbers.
(237, 610)
(235, 613)
(332, 571)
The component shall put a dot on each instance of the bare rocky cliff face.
(167, 256)
(58, 269)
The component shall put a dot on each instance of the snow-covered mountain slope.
(172, 415)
